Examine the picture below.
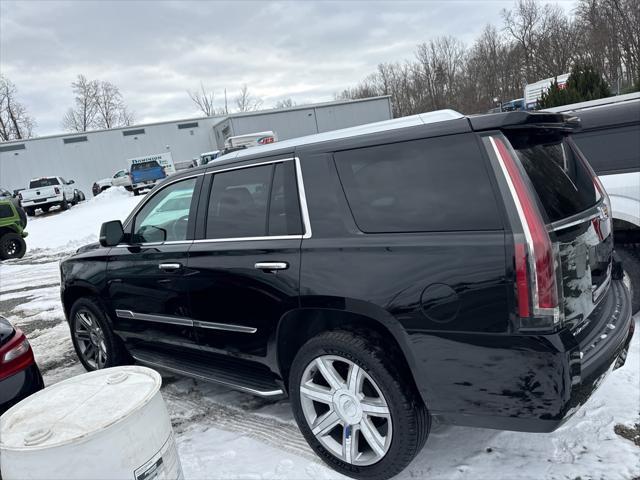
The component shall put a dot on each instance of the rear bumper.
(19, 386)
(530, 383)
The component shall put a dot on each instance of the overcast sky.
(155, 51)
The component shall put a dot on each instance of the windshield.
(44, 182)
(563, 183)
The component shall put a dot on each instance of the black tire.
(410, 419)
(128, 188)
(46, 208)
(31, 212)
(630, 256)
(12, 245)
(81, 196)
(136, 192)
(115, 352)
(64, 205)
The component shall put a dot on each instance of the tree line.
(534, 41)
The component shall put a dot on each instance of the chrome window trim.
(302, 197)
(249, 239)
(182, 321)
(147, 200)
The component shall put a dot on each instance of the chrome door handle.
(270, 266)
(170, 267)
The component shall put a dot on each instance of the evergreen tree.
(585, 83)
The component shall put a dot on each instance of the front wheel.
(357, 410)
(12, 245)
(93, 339)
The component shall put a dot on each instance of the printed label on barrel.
(164, 465)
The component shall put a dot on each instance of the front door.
(245, 268)
(146, 285)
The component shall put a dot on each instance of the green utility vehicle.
(13, 221)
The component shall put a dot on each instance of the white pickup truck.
(47, 192)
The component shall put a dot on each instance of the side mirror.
(70, 182)
(111, 233)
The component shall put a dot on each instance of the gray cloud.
(155, 51)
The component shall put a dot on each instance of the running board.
(237, 375)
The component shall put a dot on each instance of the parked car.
(119, 179)
(13, 221)
(19, 374)
(381, 276)
(610, 139)
(47, 192)
(145, 175)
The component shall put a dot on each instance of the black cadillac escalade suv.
(430, 266)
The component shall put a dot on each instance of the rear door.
(146, 277)
(245, 265)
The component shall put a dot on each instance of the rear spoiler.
(525, 120)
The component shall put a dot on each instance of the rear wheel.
(136, 192)
(95, 343)
(12, 245)
(355, 408)
(31, 212)
(64, 205)
(45, 208)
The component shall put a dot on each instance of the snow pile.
(81, 223)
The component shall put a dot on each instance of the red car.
(19, 374)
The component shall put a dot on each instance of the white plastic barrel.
(107, 424)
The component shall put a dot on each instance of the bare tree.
(285, 103)
(203, 99)
(245, 102)
(98, 104)
(111, 109)
(15, 123)
(83, 116)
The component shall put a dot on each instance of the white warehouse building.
(88, 156)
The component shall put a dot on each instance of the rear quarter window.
(437, 184)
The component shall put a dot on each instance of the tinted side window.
(238, 203)
(5, 211)
(284, 206)
(612, 150)
(165, 216)
(437, 184)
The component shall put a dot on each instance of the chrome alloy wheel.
(90, 339)
(346, 410)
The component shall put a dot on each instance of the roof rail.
(368, 128)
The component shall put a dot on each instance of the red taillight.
(522, 280)
(540, 251)
(15, 356)
(57, 190)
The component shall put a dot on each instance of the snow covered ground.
(226, 434)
